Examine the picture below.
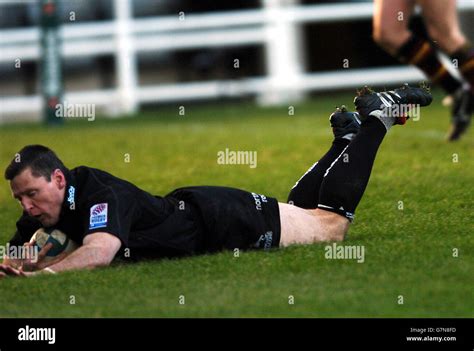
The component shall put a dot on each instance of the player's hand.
(37, 263)
(6, 270)
(40, 263)
(16, 262)
(9, 271)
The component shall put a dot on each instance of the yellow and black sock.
(419, 52)
(465, 62)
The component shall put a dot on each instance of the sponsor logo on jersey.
(259, 199)
(98, 216)
(70, 199)
(265, 241)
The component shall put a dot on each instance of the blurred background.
(124, 55)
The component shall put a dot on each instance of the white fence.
(275, 26)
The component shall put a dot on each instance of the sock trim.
(309, 170)
(438, 75)
(334, 162)
(421, 54)
(467, 66)
(349, 136)
(340, 211)
(387, 122)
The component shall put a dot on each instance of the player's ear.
(59, 178)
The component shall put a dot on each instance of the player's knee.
(436, 34)
(338, 230)
(383, 37)
(388, 39)
(385, 43)
(444, 37)
(336, 226)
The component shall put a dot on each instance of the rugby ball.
(61, 243)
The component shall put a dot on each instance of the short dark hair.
(40, 159)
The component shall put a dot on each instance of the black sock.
(305, 193)
(344, 183)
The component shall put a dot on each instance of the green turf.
(408, 252)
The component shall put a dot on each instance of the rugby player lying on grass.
(110, 216)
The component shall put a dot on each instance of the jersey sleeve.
(110, 211)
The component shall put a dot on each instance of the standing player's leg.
(442, 23)
(345, 180)
(390, 23)
(441, 20)
(390, 31)
(345, 126)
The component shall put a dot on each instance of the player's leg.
(442, 23)
(390, 31)
(390, 23)
(345, 126)
(346, 179)
(304, 226)
(443, 26)
(341, 190)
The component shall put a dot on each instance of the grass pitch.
(415, 220)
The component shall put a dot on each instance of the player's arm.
(99, 246)
(98, 250)
(11, 262)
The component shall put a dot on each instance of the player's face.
(38, 197)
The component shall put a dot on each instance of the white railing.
(274, 26)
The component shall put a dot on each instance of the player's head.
(38, 182)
